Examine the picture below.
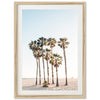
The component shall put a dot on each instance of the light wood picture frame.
(19, 26)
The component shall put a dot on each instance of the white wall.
(7, 49)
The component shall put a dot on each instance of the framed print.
(49, 49)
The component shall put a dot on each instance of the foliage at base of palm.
(46, 83)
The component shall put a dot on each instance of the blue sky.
(50, 23)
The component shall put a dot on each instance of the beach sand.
(29, 84)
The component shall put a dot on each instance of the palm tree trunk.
(43, 68)
(65, 67)
(39, 73)
(43, 64)
(52, 71)
(57, 84)
(48, 71)
(52, 74)
(36, 71)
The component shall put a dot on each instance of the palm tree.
(37, 51)
(57, 62)
(32, 46)
(51, 42)
(42, 42)
(64, 44)
(47, 57)
(39, 55)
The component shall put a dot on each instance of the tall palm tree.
(51, 42)
(42, 42)
(57, 62)
(37, 51)
(47, 57)
(64, 44)
(39, 55)
(33, 46)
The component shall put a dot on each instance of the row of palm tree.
(55, 60)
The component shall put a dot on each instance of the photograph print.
(50, 50)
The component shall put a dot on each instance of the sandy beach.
(29, 84)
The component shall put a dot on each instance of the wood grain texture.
(15, 50)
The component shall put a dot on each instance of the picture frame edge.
(49, 3)
(15, 50)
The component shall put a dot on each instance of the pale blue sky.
(50, 23)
